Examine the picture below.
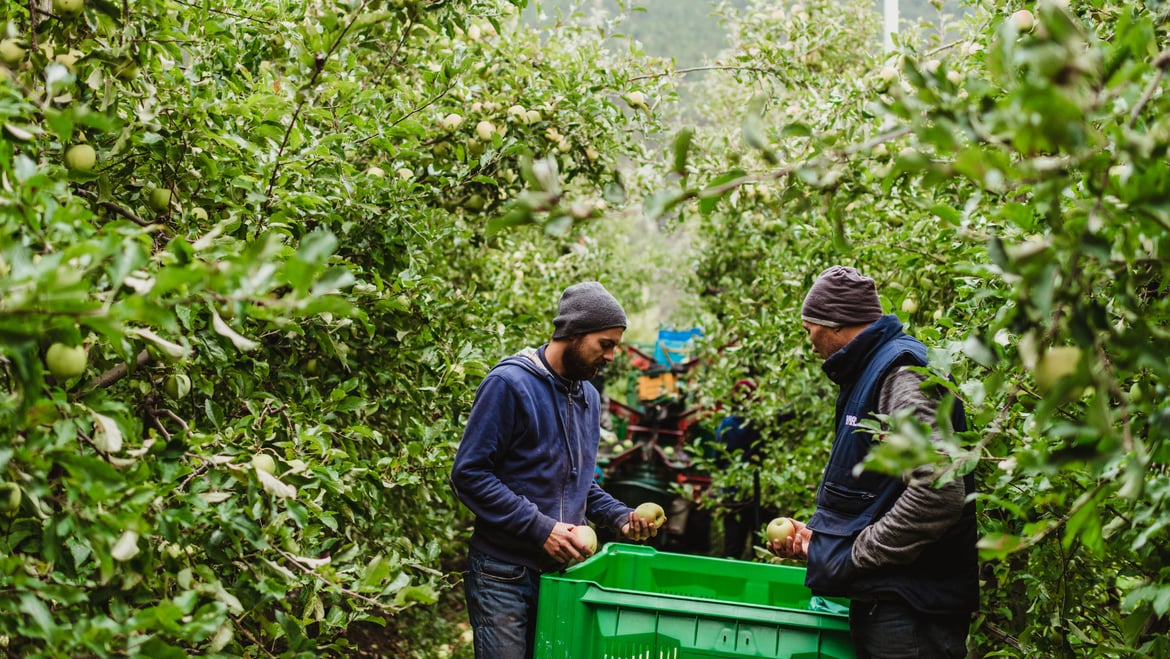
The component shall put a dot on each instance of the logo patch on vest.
(851, 420)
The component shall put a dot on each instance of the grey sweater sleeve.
(923, 512)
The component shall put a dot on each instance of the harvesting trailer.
(644, 457)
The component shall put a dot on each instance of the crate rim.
(631, 598)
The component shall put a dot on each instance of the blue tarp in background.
(674, 346)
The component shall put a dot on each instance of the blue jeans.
(890, 629)
(501, 604)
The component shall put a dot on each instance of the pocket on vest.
(830, 553)
(846, 500)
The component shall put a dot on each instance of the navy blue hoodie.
(526, 461)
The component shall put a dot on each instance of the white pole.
(889, 23)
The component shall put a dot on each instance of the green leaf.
(416, 595)
(996, 546)
(34, 608)
(708, 197)
(682, 146)
(374, 574)
(796, 130)
(107, 434)
(755, 134)
(1084, 528)
(949, 215)
(241, 343)
(517, 215)
(662, 202)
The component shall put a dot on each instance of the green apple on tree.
(1056, 363)
(64, 361)
(264, 462)
(886, 76)
(68, 7)
(1136, 394)
(177, 386)
(11, 52)
(1024, 20)
(779, 530)
(80, 158)
(651, 513)
(159, 199)
(9, 497)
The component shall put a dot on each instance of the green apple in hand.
(586, 536)
(779, 530)
(651, 513)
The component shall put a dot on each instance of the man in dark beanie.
(525, 467)
(901, 549)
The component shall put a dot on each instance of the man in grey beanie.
(525, 469)
(902, 549)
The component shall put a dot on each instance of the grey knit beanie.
(585, 308)
(841, 297)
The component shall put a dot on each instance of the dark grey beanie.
(585, 308)
(841, 297)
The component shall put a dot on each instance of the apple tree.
(251, 270)
(1006, 189)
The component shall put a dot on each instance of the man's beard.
(576, 366)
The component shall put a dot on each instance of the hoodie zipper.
(571, 452)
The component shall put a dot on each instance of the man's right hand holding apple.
(795, 545)
(563, 545)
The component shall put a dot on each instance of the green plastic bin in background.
(631, 601)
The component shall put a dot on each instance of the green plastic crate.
(635, 602)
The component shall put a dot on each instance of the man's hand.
(638, 529)
(563, 546)
(795, 545)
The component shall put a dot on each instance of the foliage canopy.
(311, 228)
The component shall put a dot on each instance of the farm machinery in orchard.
(643, 454)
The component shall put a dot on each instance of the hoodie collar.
(535, 360)
(563, 383)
